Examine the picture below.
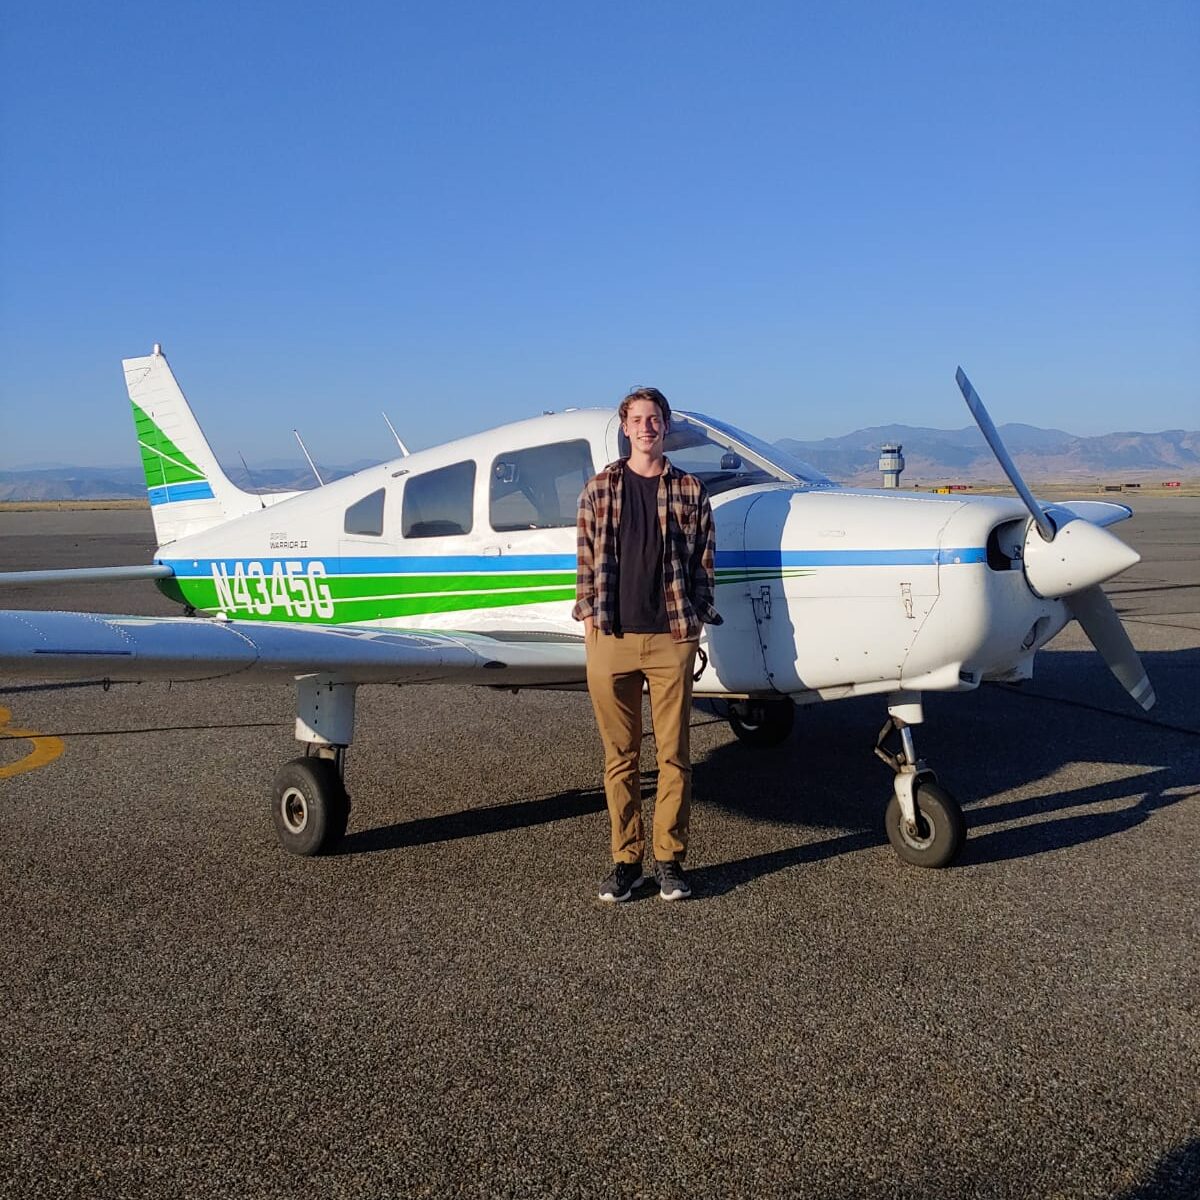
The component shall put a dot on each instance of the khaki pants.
(616, 667)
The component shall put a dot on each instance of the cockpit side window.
(538, 487)
(366, 517)
(439, 503)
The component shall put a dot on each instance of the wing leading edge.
(81, 646)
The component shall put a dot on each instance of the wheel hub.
(294, 808)
(918, 834)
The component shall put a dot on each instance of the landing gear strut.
(309, 804)
(924, 822)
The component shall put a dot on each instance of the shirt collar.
(669, 470)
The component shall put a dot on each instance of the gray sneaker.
(619, 884)
(672, 881)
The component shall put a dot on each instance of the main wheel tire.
(941, 829)
(309, 805)
(762, 722)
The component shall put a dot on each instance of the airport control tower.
(891, 463)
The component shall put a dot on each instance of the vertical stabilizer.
(188, 490)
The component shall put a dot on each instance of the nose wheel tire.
(762, 722)
(309, 805)
(940, 830)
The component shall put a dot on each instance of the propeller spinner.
(1068, 558)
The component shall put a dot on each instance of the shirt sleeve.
(585, 554)
(703, 564)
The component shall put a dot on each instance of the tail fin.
(188, 490)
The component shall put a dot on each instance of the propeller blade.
(1095, 557)
(1095, 613)
(992, 437)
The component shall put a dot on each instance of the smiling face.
(645, 428)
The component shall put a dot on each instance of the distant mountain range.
(55, 482)
(930, 455)
(1042, 454)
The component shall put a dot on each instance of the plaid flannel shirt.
(689, 550)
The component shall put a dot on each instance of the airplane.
(456, 565)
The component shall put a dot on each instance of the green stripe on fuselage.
(759, 574)
(383, 586)
(361, 598)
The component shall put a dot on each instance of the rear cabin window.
(439, 503)
(366, 517)
(538, 487)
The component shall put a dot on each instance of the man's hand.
(587, 627)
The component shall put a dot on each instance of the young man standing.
(644, 588)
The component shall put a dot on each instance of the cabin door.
(735, 655)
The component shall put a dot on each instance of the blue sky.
(800, 217)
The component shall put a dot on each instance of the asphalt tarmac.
(444, 1009)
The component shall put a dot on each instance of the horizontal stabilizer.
(83, 646)
(89, 574)
(1095, 512)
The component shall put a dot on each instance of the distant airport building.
(891, 463)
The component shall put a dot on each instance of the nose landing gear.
(924, 822)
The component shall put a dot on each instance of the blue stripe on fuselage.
(931, 557)
(428, 564)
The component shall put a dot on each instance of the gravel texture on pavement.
(444, 1008)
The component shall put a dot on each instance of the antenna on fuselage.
(403, 447)
(261, 502)
(312, 464)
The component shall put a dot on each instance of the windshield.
(723, 457)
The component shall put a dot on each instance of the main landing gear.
(309, 804)
(924, 822)
(759, 722)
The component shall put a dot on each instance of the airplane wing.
(82, 646)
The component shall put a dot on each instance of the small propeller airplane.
(456, 565)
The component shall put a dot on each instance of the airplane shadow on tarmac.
(981, 744)
(1175, 1177)
(475, 822)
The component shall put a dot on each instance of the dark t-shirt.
(641, 605)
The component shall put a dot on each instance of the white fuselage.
(825, 591)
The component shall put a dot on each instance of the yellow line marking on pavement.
(46, 747)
